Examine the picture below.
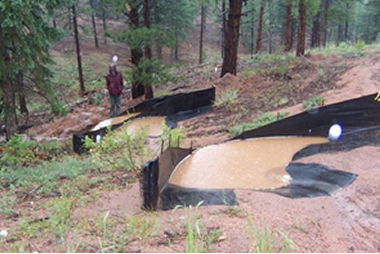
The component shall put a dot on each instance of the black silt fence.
(360, 120)
(176, 107)
(156, 173)
(356, 115)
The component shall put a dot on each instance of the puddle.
(154, 125)
(243, 164)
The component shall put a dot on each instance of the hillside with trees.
(267, 59)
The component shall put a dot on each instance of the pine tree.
(77, 44)
(232, 38)
(288, 33)
(301, 35)
(25, 39)
(147, 52)
(93, 20)
(260, 28)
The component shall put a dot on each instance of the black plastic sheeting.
(173, 196)
(155, 175)
(313, 180)
(356, 115)
(360, 120)
(176, 107)
(173, 104)
(158, 194)
(369, 137)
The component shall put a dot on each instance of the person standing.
(115, 85)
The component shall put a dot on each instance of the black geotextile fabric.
(158, 194)
(156, 173)
(173, 196)
(149, 184)
(348, 142)
(313, 180)
(172, 104)
(356, 115)
(176, 107)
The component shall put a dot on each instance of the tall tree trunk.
(253, 33)
(19, 80)
(339, 37)
(203, 14)
(69, 19)
(301, 29)
(323, 33)
(137, 87)
(147, 52)
(260, 28)
(54, 23)
(346, 30)
(9, 106)
(315, 31)
(224, 27)
(176, 49)
(232, 38)
(104, 25)
(294, 31)
(94, 25)
(346, 24)
(288, 33)
(22, 102)
(157, 20)
(270, 28)
(79, 55)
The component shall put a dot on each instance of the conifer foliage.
(25, 39)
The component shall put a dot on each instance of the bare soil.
(347, 221)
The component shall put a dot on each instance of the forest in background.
(53, 200)
(154, 29)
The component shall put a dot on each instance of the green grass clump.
(22, 153)
(271, 64)
(55, 226)
(343, 49)
(44, 177)
(269, 240)
(315, 101)
(227, 98)
(198, 238)
(262, 120)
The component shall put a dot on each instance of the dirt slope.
(347, 221)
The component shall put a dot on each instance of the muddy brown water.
(113, 121)
(153, 124)
(243, 164)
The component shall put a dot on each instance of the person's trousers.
(115, 102)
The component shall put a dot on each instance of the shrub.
(360, 45)
(120, 150)
(173, 136)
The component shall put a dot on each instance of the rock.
(3, 233)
